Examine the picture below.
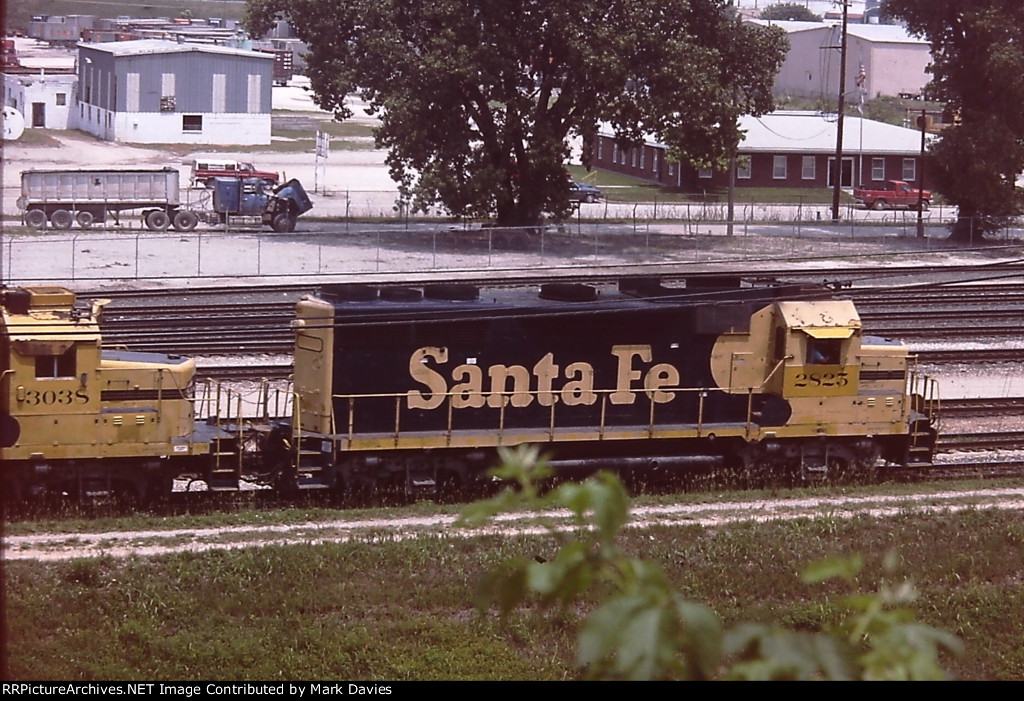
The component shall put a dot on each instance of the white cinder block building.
(44, 99)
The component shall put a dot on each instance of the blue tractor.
(254, 199)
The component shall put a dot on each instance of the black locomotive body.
(418, 387)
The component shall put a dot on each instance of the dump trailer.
(61, 198)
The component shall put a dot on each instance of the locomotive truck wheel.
(84, 219)
(185, 220)
(879, 204)
(36, 218)
(61, 219)
(157, 220)
(284, 223)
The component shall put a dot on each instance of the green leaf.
(846, 567)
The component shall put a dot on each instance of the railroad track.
(199, 322)
(988, 440)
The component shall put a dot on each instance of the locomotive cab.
(850, 391)
(77, 418)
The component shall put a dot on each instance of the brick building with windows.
(157, 91)
(781, 149)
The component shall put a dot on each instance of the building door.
(39, 114)
(847, 175)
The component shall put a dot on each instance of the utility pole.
(837, 171)
(922, 122)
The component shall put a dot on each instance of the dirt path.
(66, 546)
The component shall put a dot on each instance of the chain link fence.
(418, 246)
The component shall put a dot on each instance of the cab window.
(824, 351)
(52, 366)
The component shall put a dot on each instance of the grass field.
(390, 609)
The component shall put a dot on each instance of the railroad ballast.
(413, 389)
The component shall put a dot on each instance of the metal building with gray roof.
(157, 91)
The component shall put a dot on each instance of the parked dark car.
(582, 192)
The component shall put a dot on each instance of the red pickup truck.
(204, 170)
(895, 194)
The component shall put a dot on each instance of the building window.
(654, 161)
(600, 149)
(743, 169)
(671, 168)
(191, 122)
(878, 169)
(62, 99)
(168, 103)
(910, 169)
(705, 173)
(642, 154)
(615, 153)
(632, 158)
(808, 168)
(780, 167)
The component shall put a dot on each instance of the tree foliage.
(789, 11)
(978, 70)
(478, 99)
(643, 629)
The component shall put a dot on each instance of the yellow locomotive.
(81, 420)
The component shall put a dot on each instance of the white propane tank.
(14, 124)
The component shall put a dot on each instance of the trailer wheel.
(36, 218)
(185, 220)
(157, 220)
(84, 219)
(284, 223)
(61, 219)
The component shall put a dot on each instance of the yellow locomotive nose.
(79, 419)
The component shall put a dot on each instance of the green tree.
(978, 70)
(789, 11)
(478, 99)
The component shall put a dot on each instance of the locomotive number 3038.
(50, 397)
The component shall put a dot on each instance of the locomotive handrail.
(778, 366)
(399, 397)
(923, 391)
